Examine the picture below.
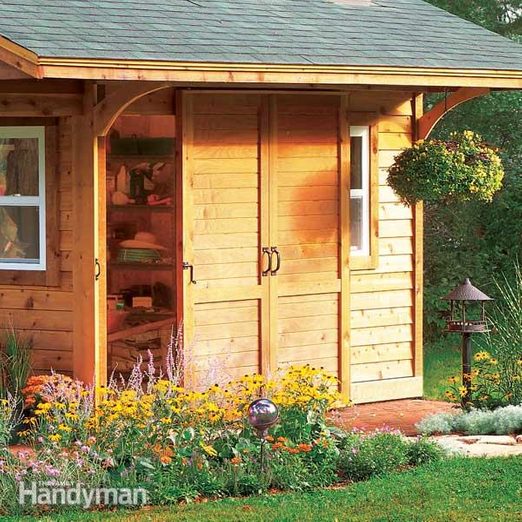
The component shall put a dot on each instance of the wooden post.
(89, 323)
(344, 246)
(418, 266)
(185, 172)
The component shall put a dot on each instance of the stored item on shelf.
(138, 255)
(122, 180)
(119, 198)
(154, 200)
(142, 302)
(142, 240)
(111, 302)
(136, 291)
(115, 302)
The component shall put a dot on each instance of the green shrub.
(438, 424)
(423, 451)
(373, 454)
(502, 421)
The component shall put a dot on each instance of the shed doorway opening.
(142, 237)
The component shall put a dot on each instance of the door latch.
(188, 266)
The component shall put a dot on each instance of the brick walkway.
(402, 415)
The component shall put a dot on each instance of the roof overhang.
(25, 63)
(275, 74)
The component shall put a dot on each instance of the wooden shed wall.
(236, 325)
(44, 315)
(244, 147)
(383, 300)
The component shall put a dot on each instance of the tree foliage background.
(475, 240)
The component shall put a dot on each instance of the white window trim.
(29, 201)
(364, 192)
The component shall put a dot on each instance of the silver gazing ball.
(262, 414)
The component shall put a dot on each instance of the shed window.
(22, 198)
(360, 190)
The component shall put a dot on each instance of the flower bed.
(178, 444)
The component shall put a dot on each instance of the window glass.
(360, 190)
(356, 147)
(22, 198)
(19, 167)
(19, 234)
(356, 222)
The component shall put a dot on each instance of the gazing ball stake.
(262, 415)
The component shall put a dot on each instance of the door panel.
(261, 171)
(306, 208)
(227, 226)
(227, 341)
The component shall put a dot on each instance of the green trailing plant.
(462, 168)
(502, 421)
(15, 362)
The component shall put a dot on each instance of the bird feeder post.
(465, 319)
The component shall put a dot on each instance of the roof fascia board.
(19, 58)
(261, 74)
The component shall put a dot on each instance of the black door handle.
(188, 266)
(266, 253)
(275, 251)
(97, 272)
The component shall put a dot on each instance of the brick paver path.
(402, 415)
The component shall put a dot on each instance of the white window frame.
(364, 192)
(29, 201)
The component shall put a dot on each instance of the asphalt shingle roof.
(405, 33)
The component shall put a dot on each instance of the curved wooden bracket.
(106, 112)
(426, 122)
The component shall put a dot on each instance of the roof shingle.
(403, 33)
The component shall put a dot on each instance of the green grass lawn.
(441, 361)
(452, 490)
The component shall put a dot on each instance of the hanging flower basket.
(462, 168)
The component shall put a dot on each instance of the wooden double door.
(263, 193)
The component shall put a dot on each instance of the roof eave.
(276, 74)
(19, 58)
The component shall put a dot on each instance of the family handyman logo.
(55, 494)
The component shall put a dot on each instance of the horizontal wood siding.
(308, 330)
(225, 182)
(306, 170)
(227, 341)
(224, 164)
(382, 300)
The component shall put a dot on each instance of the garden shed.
(218, 168)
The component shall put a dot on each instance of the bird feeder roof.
(467, 292)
